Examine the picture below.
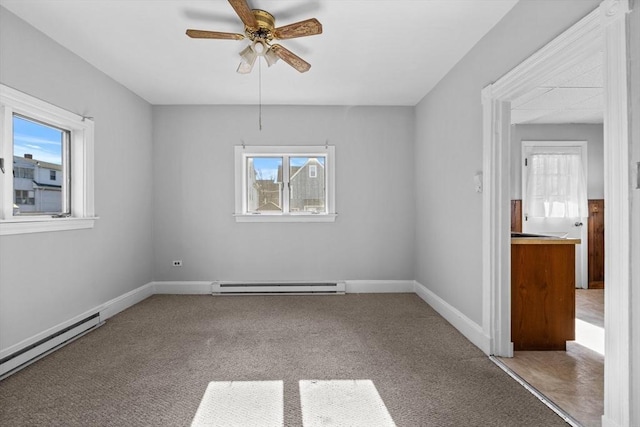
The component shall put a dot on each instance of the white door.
(560, 208)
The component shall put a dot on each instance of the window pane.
(37, 167)
(307, 184)
(264, 184)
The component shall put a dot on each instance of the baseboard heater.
(41, 348)
(278, 288)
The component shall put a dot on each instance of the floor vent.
(39, 349)
(278, 288)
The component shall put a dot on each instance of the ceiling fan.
(260, 29)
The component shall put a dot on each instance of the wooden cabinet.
(516, 215)
(596, 244)
(542, 293)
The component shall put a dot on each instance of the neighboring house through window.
(37, 176)
(47, 155)
(285, 183)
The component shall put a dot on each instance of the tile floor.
(573, 380)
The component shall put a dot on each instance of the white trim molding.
(467, 327)
(618, 364)
(352, 287)
(285, 218)
(183, 288)
(121, 303)
(34, 225)
(379, 286)
(496, 247)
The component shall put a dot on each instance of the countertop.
(519, 239)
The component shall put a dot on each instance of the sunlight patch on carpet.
(241, 404)
(354, 403)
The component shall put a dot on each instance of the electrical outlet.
(177, 263)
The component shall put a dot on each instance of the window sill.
(285, 218)
(42, 225)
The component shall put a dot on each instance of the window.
(38, 153)
(285, 183)
(554, 182)
(46, 155)
(19, 172)
(24, 197)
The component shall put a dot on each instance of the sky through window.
(41, 141)
(267, 167)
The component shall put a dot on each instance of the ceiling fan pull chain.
(259, 94)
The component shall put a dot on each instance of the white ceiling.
(573, 96)
(372, 52)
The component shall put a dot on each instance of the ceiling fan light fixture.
(270, 57)
(248, 56)
(260, 28)
(259, 47)
(245, 67)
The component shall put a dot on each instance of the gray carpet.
(150, 365)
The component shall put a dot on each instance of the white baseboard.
(352, 286)
(379, 286)
(467, 327)
(183, 288)
(46, 333)
(131, 298)
(106, 310)
(608, 422)
(30, 354)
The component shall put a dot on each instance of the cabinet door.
(516, 216)
(596, 244)
(542, 296)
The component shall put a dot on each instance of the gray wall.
(592, 133)
(372, 237)
(48, 278)
(448, 150)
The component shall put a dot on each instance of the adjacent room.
(296, 212)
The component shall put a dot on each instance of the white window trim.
(241, 154)
(81, 167)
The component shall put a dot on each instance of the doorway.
(554, 195)
(604, 29)
(559, 162)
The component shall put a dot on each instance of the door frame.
(606, 28)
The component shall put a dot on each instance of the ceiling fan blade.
(291, 58)
(244, 12)
(201, 34)
(309, 27)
